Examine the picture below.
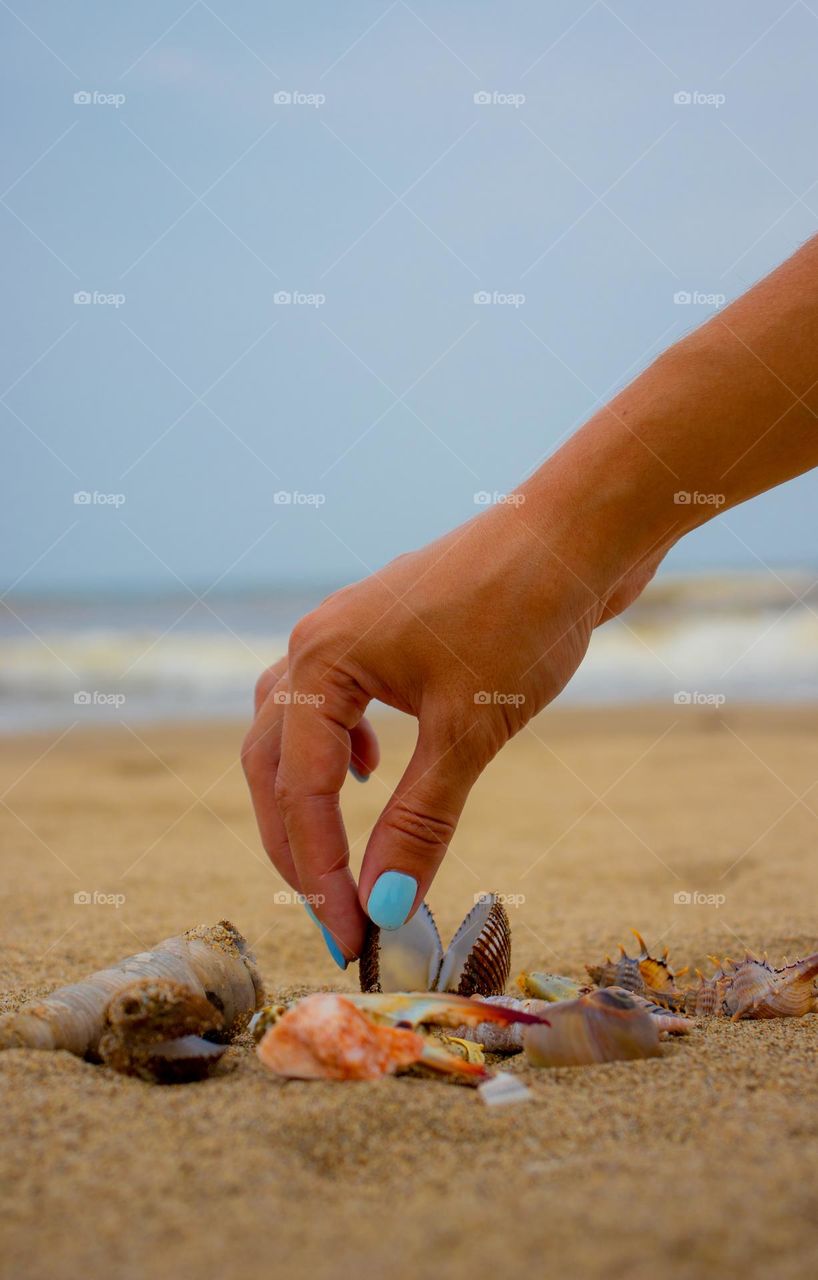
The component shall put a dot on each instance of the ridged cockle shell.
(477, 961)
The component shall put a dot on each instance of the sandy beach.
(697, 1164)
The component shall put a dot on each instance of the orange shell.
(326, 1038)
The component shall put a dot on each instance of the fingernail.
(357, 775)
(333, 948)
(391, 899)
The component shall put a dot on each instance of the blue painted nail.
(357, 775)
(391, 899)
(333, 948)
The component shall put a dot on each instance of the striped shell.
(477, 961)
(756, 990)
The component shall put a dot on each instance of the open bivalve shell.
(477, 962)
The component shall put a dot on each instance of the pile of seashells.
(408, 981)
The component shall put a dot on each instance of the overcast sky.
(183, 197)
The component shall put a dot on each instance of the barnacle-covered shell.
(405, 959)
(479, 956)
(756, 990)
(154, 1029)
(605, 1026)
(411, 958)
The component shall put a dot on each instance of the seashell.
(506, 1038)
(756, 990)
(440, 1009)
(324, 1037)
(643, 975)
(605, 1026)
(550, 986)
(706, 1000)
(412, 958)
(657, 975)
(465, 1048)
(503, 1089)
(154, 1029)
(265, 1018)
(669, 1023)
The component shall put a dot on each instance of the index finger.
(315, 756)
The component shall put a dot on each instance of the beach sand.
(701, 1163)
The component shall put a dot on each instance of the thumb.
(412, 835)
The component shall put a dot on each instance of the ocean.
(697, 639)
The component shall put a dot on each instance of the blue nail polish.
(391, 899)
(333, 948)
(357, 775)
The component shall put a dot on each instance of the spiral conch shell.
(756, 990)
(605, 1026)
(476, 962)
(643, 974)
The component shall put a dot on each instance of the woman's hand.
(472, 635)
(476, 633)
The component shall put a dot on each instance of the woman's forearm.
(727, 412)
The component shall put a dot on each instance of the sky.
(173, 172)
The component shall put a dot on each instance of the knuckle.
(265, 684)
(421, 826)
(308, 636)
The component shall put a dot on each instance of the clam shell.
(411, 958)
(478, 960)
(405, 959)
